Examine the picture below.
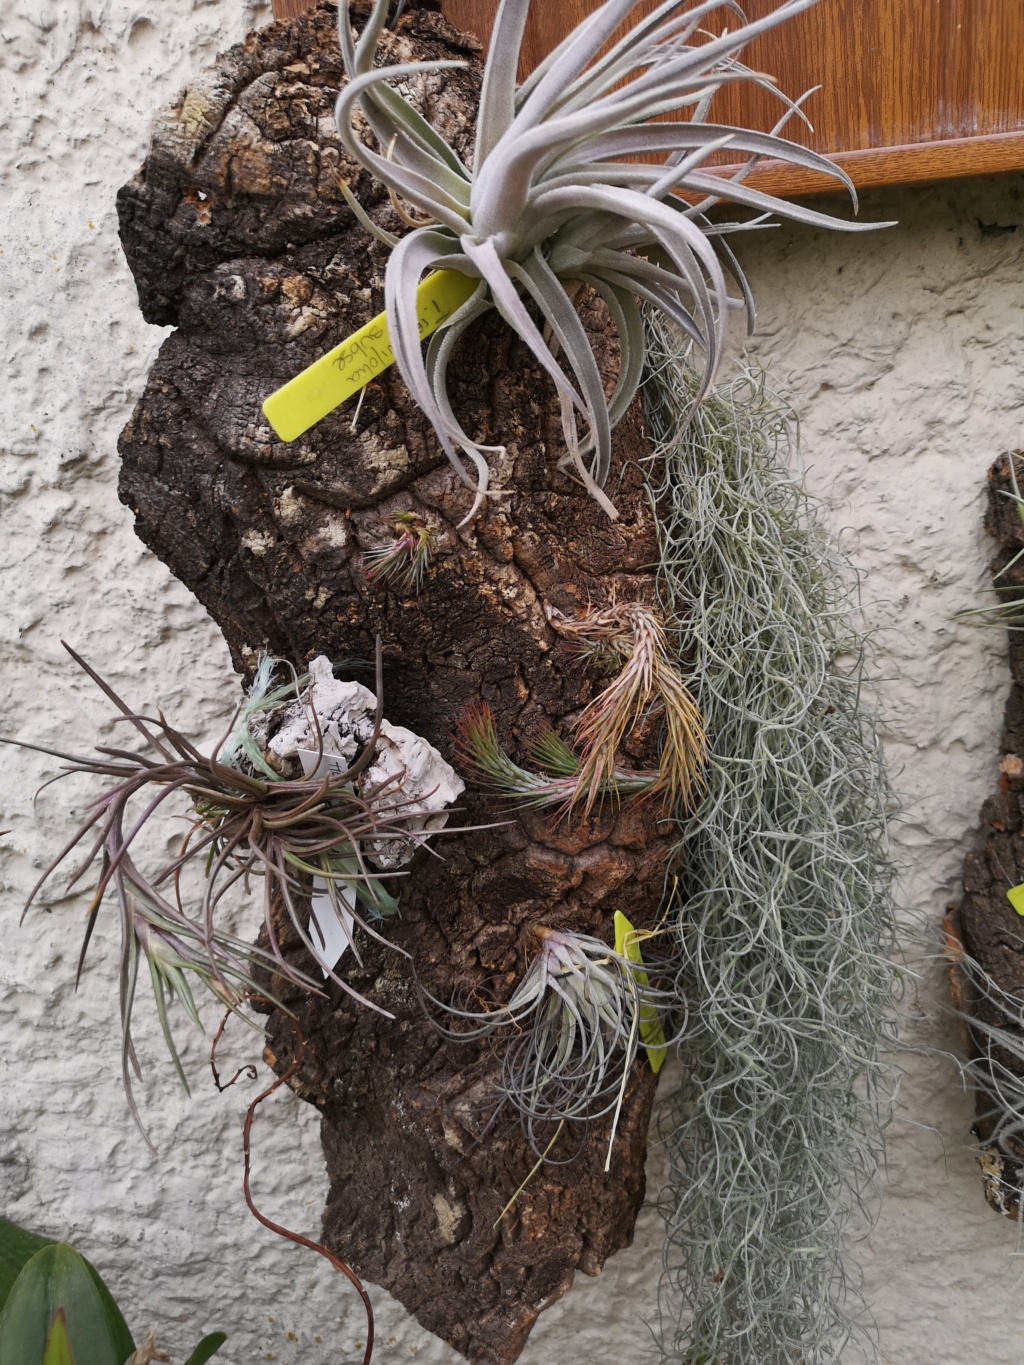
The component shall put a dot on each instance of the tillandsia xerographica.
(312, 790)
(550, 205)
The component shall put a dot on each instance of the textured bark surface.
(985, 925)
(237, 235)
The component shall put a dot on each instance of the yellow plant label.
(336, 376)
(627, 946)
(1015, 896)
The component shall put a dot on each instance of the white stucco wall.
(905, 354)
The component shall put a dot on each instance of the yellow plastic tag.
(1015, 896)
(336, 376)
(627, 945)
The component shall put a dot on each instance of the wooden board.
(913, 90)
(291, 9)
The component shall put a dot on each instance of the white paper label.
(330, 928)
(315, 765)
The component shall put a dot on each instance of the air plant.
(247, 820)
(784, 918)
(482, 756)
(994, 1069)
(404, 562)
(569, 1035)
(1010, 611)
(629, 638)
(632, 638)
(550, 204)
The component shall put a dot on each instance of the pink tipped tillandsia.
(482, 757)
(632, 637)
(405, 561)
(576, 180)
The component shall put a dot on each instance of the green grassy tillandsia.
(550, 204)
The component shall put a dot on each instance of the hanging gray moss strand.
(784, 907)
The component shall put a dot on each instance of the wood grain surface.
(911, 90)
(291, 9)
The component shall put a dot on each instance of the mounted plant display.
(984, 938)
(600, 604)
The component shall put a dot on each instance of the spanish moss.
(784, 908)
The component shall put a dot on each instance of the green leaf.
(209, 1346)
(124, 1343)
(55, 1280)
(18, 1246)
(57, 1350)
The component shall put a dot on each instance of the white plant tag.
(315, 765)
(330, 928)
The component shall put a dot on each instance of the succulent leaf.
(207, 1348)
(57, 1350)
(18, 1247)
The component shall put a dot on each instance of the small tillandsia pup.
(55, 1309)
(311, 790)
(551, 204)
(404, 562)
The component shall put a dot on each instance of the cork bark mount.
(238, 236)
(984, 934)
